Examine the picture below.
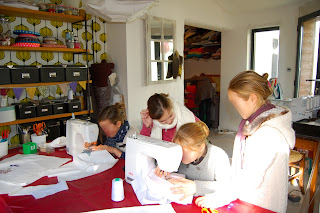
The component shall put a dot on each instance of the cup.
(38, 139)
(3, 148)
(117, 192)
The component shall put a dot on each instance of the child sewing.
(206, 166)
(115, 127)
(164, 116)
(261, 148)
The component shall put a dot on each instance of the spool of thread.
(70, 94)
(117, 192)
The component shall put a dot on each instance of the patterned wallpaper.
(96, 41)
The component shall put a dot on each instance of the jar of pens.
(4, 143)
(40, 133)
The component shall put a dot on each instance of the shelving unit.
(27, 13)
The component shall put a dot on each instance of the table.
(92, 193)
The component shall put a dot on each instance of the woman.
(206, 166)
(164, 116)
(261, 149)
(116, 128)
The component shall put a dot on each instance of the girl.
(164, 116)
(206, 166)
(115, 127)
(261, 148)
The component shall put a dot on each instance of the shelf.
(35, 14)
(42, 118)
(35, 84)
(41, 49)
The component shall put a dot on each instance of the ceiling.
(240, 6)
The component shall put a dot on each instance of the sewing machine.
(141, 152)
(79, 132)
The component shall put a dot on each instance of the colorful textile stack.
(26, 38)
(52, 42)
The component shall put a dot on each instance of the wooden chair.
(296, 165)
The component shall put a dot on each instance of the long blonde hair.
(113, 113)
(197, 132)
(250, 82)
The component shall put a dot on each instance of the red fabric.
(167, 135)
(93, 193)
(190, 96)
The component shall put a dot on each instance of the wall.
(196, 67)
(235, 30)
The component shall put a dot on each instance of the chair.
(297, 162)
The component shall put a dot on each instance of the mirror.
(160, 38)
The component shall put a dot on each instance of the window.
(307, 81)
(265, 51)
(160, 38)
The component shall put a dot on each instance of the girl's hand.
(145, 117)
(87, 145)
(110, 149)
(160, 173)
(184, 186)
(202, 202)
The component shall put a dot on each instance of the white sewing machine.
(79, 132)
(141, 152)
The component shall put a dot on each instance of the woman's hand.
(145, 117)
(160, 173)
(184, 186)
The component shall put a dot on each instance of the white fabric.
(263, 180)
(182, 116)
(41, 191)
(84, 165)
(21, 170)
(140, 209)
(118, 10)
(155, 190)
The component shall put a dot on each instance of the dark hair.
(114, 113)
(157, 103)
(248, 82)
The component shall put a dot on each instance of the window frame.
(253, 31)
(148, 47)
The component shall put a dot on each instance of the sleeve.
(196, 118)
(146, 131)
(123, 155)
(219, 165)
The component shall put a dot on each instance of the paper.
(140, 209)
(58, 142)
(41, 190)
(84, 166)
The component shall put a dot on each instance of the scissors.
(4, 134)
(39, 128)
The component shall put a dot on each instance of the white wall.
(206, 14)
(196, 67)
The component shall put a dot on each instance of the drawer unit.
(24, 74)
(52, 73)
(73, 105)
(44, 109)
(25, 110)
(53, 129)
(76, 73)
(5, 75)
(58, 108)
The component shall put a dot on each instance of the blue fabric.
(119, 137)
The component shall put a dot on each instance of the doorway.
(202, 59)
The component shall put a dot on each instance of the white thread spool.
(117, 192)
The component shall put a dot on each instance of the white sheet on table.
(155, 190)
(41, 190)
(167, 208)
(84, 165)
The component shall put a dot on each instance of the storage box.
(58, 108)
(44, 109)
(25, 110)
(52, 73)
(53, 127)
(24, 74)
(73, 105)
(5, 75)
(7, 114)
(76, 73)
(29, 148)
